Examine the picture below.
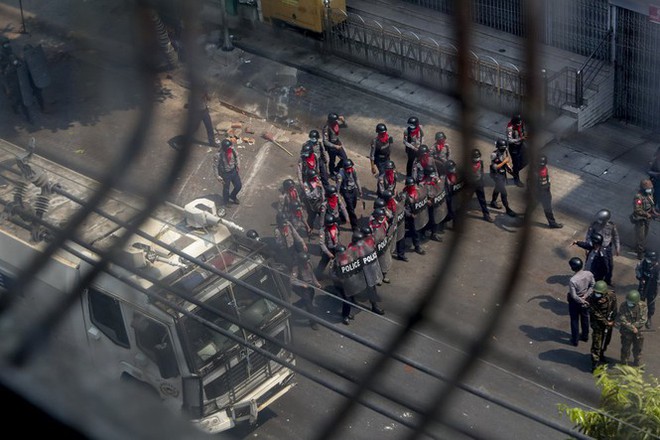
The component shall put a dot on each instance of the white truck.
(164, 315)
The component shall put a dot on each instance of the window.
(105, 313)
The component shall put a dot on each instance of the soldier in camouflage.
(630, 320)
(602, 315)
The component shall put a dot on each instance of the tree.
(629, 408)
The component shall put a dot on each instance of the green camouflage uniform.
(602, 311)
(629, 318)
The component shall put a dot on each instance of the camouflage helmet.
(646, 184)
(600, 287)
(633, 296)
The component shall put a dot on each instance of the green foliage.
(629, 407)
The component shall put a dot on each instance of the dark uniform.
(602, 314)
(610, 233)
(646, 272)
(347, 279)
(436, 194)
(204, 116)
(543, 193)
(303, 282)
(643, 212)
(416, 215)
(397, 208)
(380, 149)
(382, 234)
(365, 250)
(227, 166)
(413, 137)
(289, 241)
(477, 180)
(500, 163)
(350, 189)
(654, 176)
(387, 179)
(333, 144)
(423, 161)
(333, 204)
(314, 198)
(453, 183)
(328, 242)
(515, 136)
(630, 320)
(596, 262)
(321, 154)
(308, 161)
(440, 150)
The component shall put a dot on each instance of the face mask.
(630, 305)
(411, 127)
(648, 191)
(598, 295)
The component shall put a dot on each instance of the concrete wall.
(599, 104)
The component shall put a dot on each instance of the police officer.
(413, 137)
(314, 140)
(304, 283)
(437, 207)
(602, 314)
(333, 144)
(333, 204)
(307, 162)
(646, 273)
(422, 161)
(364, 248)
(227, 167)
(379, 152)
(453, 183)
(289, 196)
(440, 149)
(314, 198)
(630, 320)
(397, 210)
(597, 262)
(288, 240)
(297, 218)
(416, 215)
(543, 193)
(350, 189)
(387, 179)
(328, 242)
(643, 212)
(477, 183)
(347, 279)
(500, 164)
(581, 286)
(516, 136)
(381, 233)
(611, 243)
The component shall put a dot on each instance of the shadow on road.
(581, 361)
(558, 279)
(544, 334)
(551, 303)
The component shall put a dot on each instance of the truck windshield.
(207, 344)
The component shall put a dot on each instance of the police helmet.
(311, 174)
(389, 165)
(576, 264)
(306, 150)
(379, 213)
(333, 117)
(340, 248)
(414, 121)
(226, 143)
(516, 119)
(429, 170)
(330, 219)
(410, 181)
(500, 144)
(440, 136)
(600, 287)
(314, 135)
(366, 230)
(476, 154)
(423, 149)
(381, 128)
(379, 203)
(387, 194)
(633, 296)
(252, 234)
(543, 161)
(357, 236)
(596, 238)
(603, 216)
(451, 166)
(348, 163)
(331, 190)
(651, 256)
(288, 184)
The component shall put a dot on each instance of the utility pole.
(227, 45)
(23, 30)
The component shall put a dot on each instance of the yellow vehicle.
(305, 14)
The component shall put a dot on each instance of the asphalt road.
(94, 104)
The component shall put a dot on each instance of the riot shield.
(35, 59)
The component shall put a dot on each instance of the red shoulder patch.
(638, 201)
